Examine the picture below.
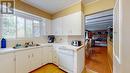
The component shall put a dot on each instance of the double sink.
(18, 46)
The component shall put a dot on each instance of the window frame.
(32, 18)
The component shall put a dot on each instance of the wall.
(30, 9)
(125, 36)
(72, 9)
(99, 5)
(69, 39)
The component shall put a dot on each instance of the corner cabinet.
(68, 25)
(7, 63)
(46, 54)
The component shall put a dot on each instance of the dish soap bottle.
(3, 43)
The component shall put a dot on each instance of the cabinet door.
(72, 24)
(54, 22)
(35, 58)
(55, 56)
(66, 60)
(66, 25)
(76, 23)
(7, 63)
(49, 54)
(48, 27)
(22, 62)
(57, 26)
(46, 55)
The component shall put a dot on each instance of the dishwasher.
(66, 59)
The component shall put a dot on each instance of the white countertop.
(67, 46)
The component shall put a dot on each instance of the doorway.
(99, 36)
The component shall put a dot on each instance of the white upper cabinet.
(57, 26)
(7, 63)
(48, 28)
(73, 24)
(68, 25)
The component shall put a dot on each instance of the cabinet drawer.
(66, 51)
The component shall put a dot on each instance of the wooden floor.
(98, 61)
(51, 68)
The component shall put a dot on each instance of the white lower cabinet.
(25, 61)
(35, 58)
(47, 54)
(66, 60)
(55, 56)
(22, 61)
(7, 63)
(28, 60)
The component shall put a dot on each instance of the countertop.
(67, 46)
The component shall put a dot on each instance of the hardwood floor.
(98, 61)
(51, 68)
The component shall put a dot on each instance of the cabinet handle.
(28, 56)
(32, 55)
(14, 59)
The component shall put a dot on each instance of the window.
(20, 27)
(36, 28)
(29, 28)
(8, 26)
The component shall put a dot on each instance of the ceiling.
(99, 21)
(51, 6)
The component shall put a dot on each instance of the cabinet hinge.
(14, 59)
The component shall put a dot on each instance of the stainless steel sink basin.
(27, 46)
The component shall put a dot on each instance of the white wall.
(13, 42)
(69, 39)
(125, 36)
(124, 66)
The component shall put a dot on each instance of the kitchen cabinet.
(57, 26)
(48, 24)
(22, 61)
(68, 25)
(67, 28)
(46, 55)
(35, 59)
(28, 60)
(7, 63)
(72, 61)
(66, 60)
(55, 56)
(72, 24)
